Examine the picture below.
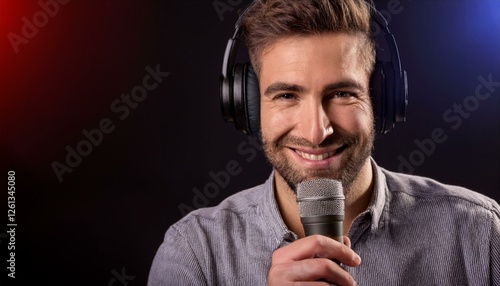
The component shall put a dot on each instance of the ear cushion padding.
(253, 99)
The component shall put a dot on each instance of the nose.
(314, 124)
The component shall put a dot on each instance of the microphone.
(321, 207)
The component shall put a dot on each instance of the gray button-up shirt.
(415, 231)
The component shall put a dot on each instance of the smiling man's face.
(316, 113)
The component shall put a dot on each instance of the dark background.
(108, 216)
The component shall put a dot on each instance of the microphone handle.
(327, 225)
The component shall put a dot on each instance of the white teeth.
(315, 157)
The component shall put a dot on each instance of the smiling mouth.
(319, 157)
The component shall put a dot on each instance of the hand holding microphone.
(311, 259)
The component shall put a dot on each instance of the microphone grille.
(319, 197)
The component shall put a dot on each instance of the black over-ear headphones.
(240, 95)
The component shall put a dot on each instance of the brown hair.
(268, 20)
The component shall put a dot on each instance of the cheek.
(274, 122)
(353, 118)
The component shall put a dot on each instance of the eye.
(343, 94)
(285, 96)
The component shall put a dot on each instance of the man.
(313, 60)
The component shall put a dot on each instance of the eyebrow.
(343, 84)
(283, 86)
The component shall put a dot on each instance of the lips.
(320, 156)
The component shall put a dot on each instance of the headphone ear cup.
(252, 99)
(225, 98)
(377, 94)
(388, 82)
(402, 99)
(239, 98)
(245, 99)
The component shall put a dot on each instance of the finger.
(333, 273)
(314, 269)
(316, 246)
(347, 241)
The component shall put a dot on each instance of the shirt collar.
(377, 202)
(271, 215)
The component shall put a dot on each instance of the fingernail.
(357, 259)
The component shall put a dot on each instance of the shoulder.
(423, 188)
(217, 245)
(240, 208)
(239, 203)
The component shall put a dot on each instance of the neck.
(357, 198)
